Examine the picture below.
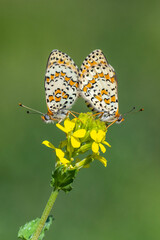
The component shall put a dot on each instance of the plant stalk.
(45, 214)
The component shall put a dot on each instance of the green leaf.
(26, 232)
(62, 178)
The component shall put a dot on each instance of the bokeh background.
(121, 201)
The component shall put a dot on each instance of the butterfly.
(98, 87)
(61, 86)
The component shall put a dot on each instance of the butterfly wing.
(98, 85)
(61, 82)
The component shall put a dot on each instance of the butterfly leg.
(99, 113)
(60, 120)
(75, 112)
(111, 124)
(71, 112)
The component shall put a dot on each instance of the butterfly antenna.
(28, 112)
(131, 111)
(34, 111)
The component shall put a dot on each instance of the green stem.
(45, 214)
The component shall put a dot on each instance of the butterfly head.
(51, 117)
(47, 118)
(120, 119)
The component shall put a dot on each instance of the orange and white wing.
(61, 82)
(98, 85)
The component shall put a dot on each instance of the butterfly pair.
(95, 82)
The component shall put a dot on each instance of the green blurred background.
(121, 201)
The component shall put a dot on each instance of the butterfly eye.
(47, 117)
(120, 119)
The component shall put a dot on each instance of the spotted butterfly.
(61, 84)
(61, 87)
(98, 86)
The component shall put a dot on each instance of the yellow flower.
(48, 144)
(75, 137)
(98, 138)
(101, 159)
(68, 127)
(59, 153)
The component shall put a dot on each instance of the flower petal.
(69, 125)
(103, 149)
(100, 136)
(61, 127)
(59, 153)
(95, 147)
(48, 144)
(106, 143)
(75, 142)
(64, 161)
(102, 160)
(79, 133)
(93, 134)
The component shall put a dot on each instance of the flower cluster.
(84, 143)
(85, 135)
